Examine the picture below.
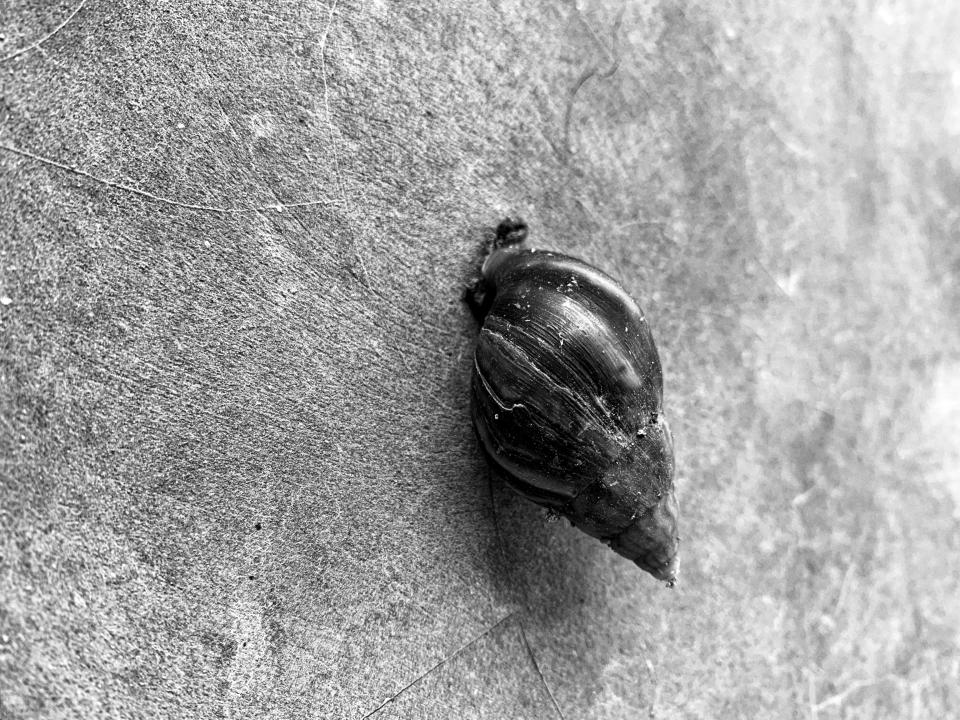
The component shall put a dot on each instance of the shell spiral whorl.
(567, 395)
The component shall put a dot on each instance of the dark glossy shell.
(567, 401)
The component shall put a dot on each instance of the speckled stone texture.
(237, 473)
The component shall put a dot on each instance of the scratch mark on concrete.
(615, 59)
(278, 207)
(523, 632)
(41, 41)
(459, 651)
(536, 666)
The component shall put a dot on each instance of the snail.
(567, 394)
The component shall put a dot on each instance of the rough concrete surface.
(238, 477)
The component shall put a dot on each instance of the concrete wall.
(238, 477)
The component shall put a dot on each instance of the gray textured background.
(238, 476)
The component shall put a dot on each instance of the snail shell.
(567, 395)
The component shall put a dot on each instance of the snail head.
(511, 231)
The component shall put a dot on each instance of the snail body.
(567, 394)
